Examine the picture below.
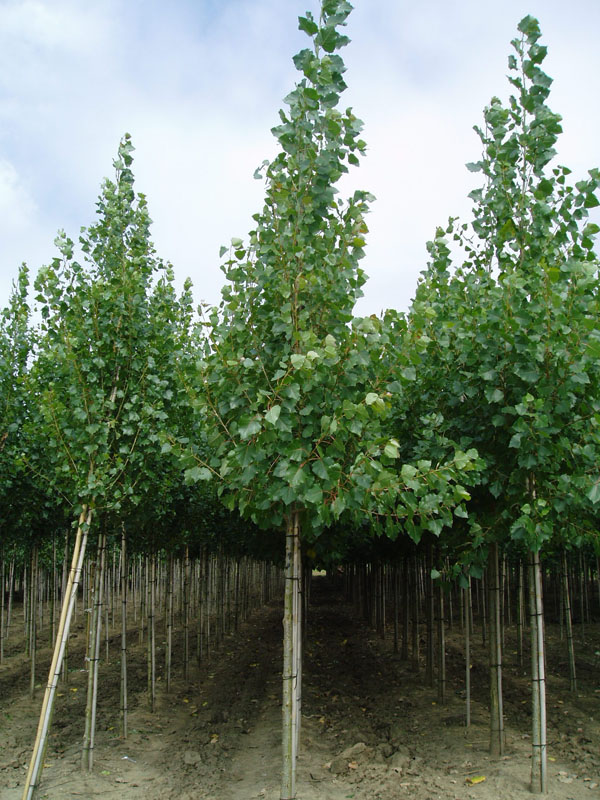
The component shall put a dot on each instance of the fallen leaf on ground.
(475, 779)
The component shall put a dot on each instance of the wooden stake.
(37, 759)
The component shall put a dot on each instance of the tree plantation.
(417, 493)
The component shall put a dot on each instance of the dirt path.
(371, 729)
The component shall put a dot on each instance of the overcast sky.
(198, 84)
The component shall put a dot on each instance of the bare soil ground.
(371, 729)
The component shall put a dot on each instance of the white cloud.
(16, 205)
(198, 85)
(22, 232)
(56, 25)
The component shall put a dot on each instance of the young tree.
(102, 377)
(293, 390)
(512, 360)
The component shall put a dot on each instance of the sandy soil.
(371, 729)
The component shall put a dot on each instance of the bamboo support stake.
(152, 636)
(36, 765)
(539, 782)
(568, 623)
(53, 593)
(169, 644)
(395, 605)
(581, 598)
(87, 751)
(495, 654)
(186, 616)
(33, 585)
(11, 584)
(288, 779)
(124, 575)
(520, 613)
(429, 612)
(415, 655)
(297, 621)
(405, 610)
(2, 593)
(467, 629)
(441, 643)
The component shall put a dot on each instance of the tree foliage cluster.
(477, 411)
(471, 421)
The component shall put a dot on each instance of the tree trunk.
(37, 759)
(429, 610)
(415, 600)
(123, 692)
(405, 610)
(87, 753)
(568, 623)
(520, 613)
(186, 615)
(467, 624)
(395, 604)
(33, 586)
(151, 644)
(538, 679)
(495, 654)
(441, 643)
(290, 639)
(2, 595)
(169, 643)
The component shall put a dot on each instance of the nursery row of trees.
(471, 421)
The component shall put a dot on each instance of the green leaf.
(594, 493)
(516, 440)
(250, 428)
(196, 474)
(320, 470)
(494, 395)
(272, 414)
(314, 495)
(297, 360)
(308, 25)
(408, 472)
(391, 450)
(338, 506)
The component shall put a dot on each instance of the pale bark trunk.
(33, 585)
(290, 656)
(415, 615)
(87, 753)
(186, 615)
(538, 679)
(520, 614)
(169, 645)
(123, 692)
(467, 626)
(2, 595)
(405, 610)
(495, 653)
(429, 617)
(152, 635)
(441, 643)
(36, 765)
(568, 623)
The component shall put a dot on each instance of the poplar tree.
(292, 389)
(102, 382)
(512, 360)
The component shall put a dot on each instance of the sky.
(198, 85)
